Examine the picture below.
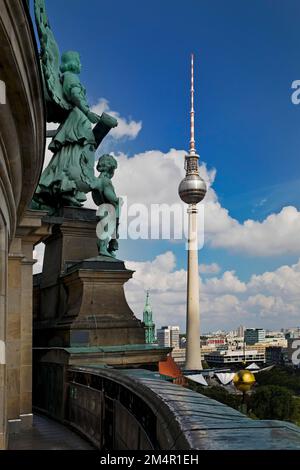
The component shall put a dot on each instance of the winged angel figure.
(70, 173)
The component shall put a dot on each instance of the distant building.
(274, 334)
(178, 355)
(163, 337)
(274, 354)
(254, 335)
(168, 336)
(240, 331)
(293, 333)
(175, 336)
(234, 357)
(259, 347)
(148, 321)
(213, 341)
(272, 341)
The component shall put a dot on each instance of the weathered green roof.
(113, 349)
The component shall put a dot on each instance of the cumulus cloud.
(212, 268)
(284, 281)
(151, 179)
(225, 284)
(269, 299)
(277, 234)
(154, 177)
(127, 128)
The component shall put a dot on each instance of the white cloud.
(212, 268)
(153, 177)
(225, 284)
(271, 299)
(158, 275)
(277, 234)
(225, 301)
(285, 281)
(127, 128)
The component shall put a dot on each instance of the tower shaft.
(193, 351)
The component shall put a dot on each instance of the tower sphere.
(192, 189)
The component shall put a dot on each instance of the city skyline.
(248, 274)
(234, 330)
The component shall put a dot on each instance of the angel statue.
(70, 173)
(104, 196)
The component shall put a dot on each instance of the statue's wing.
(57, 106)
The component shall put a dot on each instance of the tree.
(272, 402)
(284, 376)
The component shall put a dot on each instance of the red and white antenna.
(192, 141)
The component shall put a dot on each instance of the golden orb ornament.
(244, 380)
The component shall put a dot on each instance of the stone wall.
(22, 129)
(3, 282)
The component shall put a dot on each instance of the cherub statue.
(104, 196)
(70, 173)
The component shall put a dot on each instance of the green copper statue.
(70, 173)
(104, 196)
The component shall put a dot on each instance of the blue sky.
(136, 54)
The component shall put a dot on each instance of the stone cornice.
(22, 118)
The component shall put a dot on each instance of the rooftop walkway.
(47, 435)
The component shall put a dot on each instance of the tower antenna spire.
(192, 141)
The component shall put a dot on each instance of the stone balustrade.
(136, 409)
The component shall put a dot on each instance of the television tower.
(192, 190)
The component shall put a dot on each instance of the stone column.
(13, 336)
(30, 231)
(193, 352)
(26, 336)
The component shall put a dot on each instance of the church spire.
(148, 321)
(147, 298)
